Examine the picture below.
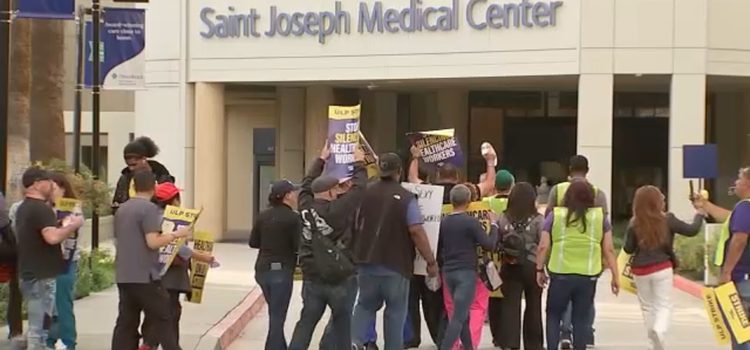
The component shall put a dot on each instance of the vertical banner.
(711, 304)
(122, 50)
(64, 208)
(174, 219)
(627, 283)
(343, 138)
(430, 200)
(203, 242)
(371, 159)
(734, 312)
(46, 9)
(438, 147)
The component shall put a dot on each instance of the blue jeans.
(277, 290)
(372, 333)
(567, 323)
(326, 342)
(315, 297)
(743, 288)
(374, 291)
(569, 289)
(462, 286)
(40, 296)
(64, 325)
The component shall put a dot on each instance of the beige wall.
(241, 120)
(594, 136)
(290, 155)
(210, 162)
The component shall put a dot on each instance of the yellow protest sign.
(711, 304)
(371, 159)
(174, 218)
(734, 311)
(627, 283)
(481, 211)
(203, 242)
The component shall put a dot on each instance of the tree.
(47, 77)
(19, 105)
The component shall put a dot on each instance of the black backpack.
(329, 259)
(514, 242)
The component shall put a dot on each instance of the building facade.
(238, 90)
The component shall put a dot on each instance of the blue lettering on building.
(376, 18)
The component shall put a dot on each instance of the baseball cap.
(166, 191)
(282, 187)
(34, 174)
(389, 164)
(324, 183)
(504, 180)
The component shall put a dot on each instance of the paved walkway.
(226, 287)
(619, 324)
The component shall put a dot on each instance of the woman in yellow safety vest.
(576, 239)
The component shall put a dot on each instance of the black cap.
(324, 183)
(282, 187)
(34, 174)
(389, 164)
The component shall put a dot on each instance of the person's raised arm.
(488, 185)
(356, 193)
(718, 213)
(680, 227)
(413, 176)
(306, 196)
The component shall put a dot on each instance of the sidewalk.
(226, 287)
(619, 324)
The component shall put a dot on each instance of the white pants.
(654, 293)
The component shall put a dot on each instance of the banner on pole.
(46, 9)
(438, 147)
(430, 201)
(122, 55)
(343, 138)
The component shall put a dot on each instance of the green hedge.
(96, 272)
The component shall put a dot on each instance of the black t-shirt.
(36, 258)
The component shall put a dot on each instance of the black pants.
(495, 315)
(277, 290)
(519, 281)
(315, 297)
(151, 334)
(151, 299)
(432, 307)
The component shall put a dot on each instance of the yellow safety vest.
(573, 251)
(562, 188)
(498, 206)
(724, 238)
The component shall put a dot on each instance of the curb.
(228, 329)
(690, 287)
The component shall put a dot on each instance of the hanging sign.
(46, 9)
(121, 50)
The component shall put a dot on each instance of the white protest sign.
(430, 200)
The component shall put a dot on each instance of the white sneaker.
(60, 346)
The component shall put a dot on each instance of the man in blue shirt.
(733, 254)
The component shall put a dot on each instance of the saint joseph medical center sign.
(233, 22)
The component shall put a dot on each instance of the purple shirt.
(550, 219)
(740, 223)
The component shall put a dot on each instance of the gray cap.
(324, 183)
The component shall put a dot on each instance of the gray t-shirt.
(135, 261)
(599, 201)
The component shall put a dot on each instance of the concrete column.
(290, 152)
(381, 131)
(210, 160)
(595, 95)
(687, 126)
(453, 112)
(317, 100)
(745, 137)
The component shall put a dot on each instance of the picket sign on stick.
(711, 304)
(627, 282)
(734, 312)
(174, 219)
(203, 242)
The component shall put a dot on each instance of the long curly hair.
(148, 145)
(649, 221)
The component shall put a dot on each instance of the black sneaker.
(412, 345)
(566, 344)
(590, 343)
(371, 346)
